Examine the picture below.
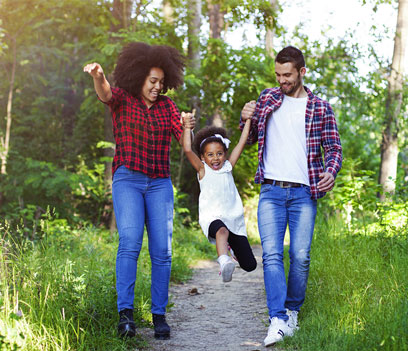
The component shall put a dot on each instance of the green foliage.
(356, 297)
(59, 293)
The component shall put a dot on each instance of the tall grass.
(58, 293)
(357, 297)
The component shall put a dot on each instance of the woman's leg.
(128, 203)
(242, 251)
(159, 223)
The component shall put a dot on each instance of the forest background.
(57, 146)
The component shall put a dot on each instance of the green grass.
(58, 293)
(357, 297)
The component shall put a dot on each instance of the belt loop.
(273, 182)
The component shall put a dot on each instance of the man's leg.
(272, 222)
(302, 214)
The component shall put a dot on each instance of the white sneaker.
(276, 331)
(292, 322)
(227, 267)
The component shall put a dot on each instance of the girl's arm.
(190, 154)
(102, 86)
(241, 143)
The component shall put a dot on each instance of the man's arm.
(332, 152)
(102, 86)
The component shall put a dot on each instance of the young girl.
(221, 214)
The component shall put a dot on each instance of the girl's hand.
(94, 69)
(248, 110)
(188, 119)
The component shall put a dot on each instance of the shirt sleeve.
(117, 95)
(176, 127)
(331, 143)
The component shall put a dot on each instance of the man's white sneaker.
(292, 322)
(227, 267)
(276, 331)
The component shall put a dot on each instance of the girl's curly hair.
(208, 133)
(137, 59)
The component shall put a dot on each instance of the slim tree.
(270, 28)
(389, 145)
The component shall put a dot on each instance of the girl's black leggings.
(239, 244)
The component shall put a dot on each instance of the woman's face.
(152, 86)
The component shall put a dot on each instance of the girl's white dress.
(219, 199)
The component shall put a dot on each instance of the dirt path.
(211, 315)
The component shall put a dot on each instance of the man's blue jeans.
(139, 200)
(278, 208)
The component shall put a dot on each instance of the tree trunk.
(121, 11)
(389, 145)
(5, 141)
(168, 12)
(216, 19)
(217, 24)
(194, 63)
(270, 28)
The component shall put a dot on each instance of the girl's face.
(152, 86)
(214, 155)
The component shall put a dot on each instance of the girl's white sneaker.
(227, 267)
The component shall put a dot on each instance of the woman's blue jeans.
(139, 200)
(278, 208)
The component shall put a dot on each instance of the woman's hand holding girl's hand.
(188, 119)
(94, 69)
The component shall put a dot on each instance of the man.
(291, 125)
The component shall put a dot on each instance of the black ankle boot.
(126, 326)
(161, 328)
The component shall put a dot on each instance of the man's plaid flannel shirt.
(321, 132)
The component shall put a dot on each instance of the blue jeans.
(139, 200)
(278, 208)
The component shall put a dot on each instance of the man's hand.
(188, 119)
(248, 110)
(94, 69)
(326, 182)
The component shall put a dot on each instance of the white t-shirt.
(219, 199)
(285, 154)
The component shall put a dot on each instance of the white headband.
(225, 141)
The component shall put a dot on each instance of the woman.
(143, 122)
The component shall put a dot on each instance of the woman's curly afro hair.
(137, 59)
(208, 133)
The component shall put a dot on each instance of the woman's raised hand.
(94, 69)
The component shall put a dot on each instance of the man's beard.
(291, 88)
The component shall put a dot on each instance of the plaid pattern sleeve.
(142, 135)
(321, 133)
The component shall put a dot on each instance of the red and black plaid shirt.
(142, 135)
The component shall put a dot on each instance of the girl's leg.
(220, 232)
(242, 251)
(221, 241)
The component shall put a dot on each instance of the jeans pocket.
(265, 188)
(120, 173)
